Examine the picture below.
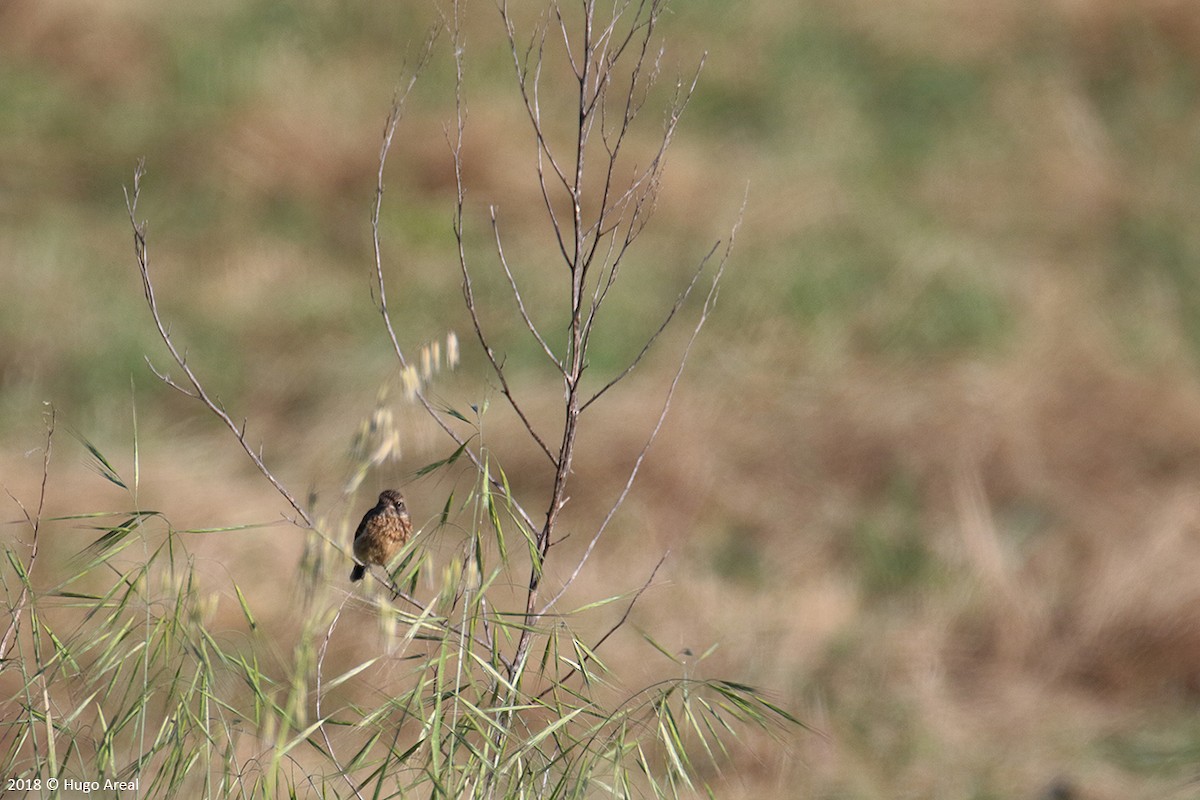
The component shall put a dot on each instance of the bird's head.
(392, 501)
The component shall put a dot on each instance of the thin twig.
(389, 130)
(497, 364)
(442, 623)
(498, 367)
(616, 626)
(709, 302)
(320, 671)
(642, 191)
(679, 301)
(530, 100)
(631, 110)
(512, 282)
(530, 89)
(196, 388)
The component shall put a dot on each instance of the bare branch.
(631, 109)
(709, 302)
(393, 119)
(169, 381)
(530, 98)
(643, 189)
(621, 217)
(566, 37)
(593, 60)
(497, 364)
(517, 294)
(530, 95)
(512, 282)
(637, 220)
(389, 131)
(196, 388)
(679, 301)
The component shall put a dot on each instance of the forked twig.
(679, 301)
(512, 282)
(497, 364)
(196, 389)
(615, 627)
(709, 302)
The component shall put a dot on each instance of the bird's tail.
(358, 572)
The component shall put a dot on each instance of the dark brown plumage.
(383, 531)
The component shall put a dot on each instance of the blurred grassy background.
(932, 475)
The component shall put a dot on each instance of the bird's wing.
(362, 526)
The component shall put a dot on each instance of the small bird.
(383, 530)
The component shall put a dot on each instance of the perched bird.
(383, 530)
